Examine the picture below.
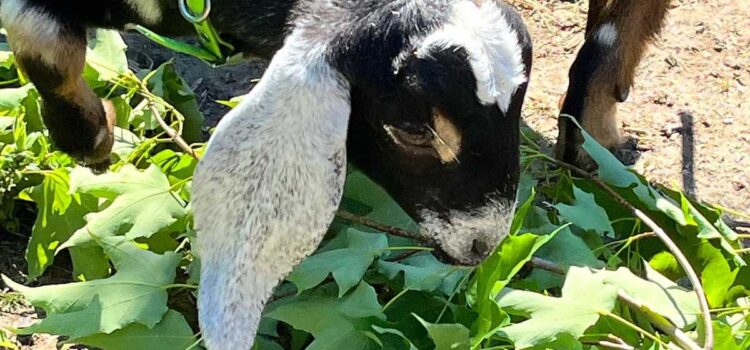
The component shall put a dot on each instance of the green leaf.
(106, 54)
(427, 306)
(563, 341)
(171, 333)
(347, 265)
(32, 111)
(586, 213)
(361, 190)
(565, 250)
(177, 166)
(666, 264)
(74, 324)
(584, 299)
(89, 263)
(136, 293)
(394, 339)
(125, 142)
(425, 273)
(60, 214)
(336, 323)
(494, 274)
(658, 294)
(167, 84)
(724, 337)
(142, 204)
(447, 336)
(232, 102)
(522, 212)
(262, 343)
(11, 98)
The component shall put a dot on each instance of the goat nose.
(480, 248)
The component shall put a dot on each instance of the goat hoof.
(622, 92)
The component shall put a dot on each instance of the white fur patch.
(32, 32)
(149, 10)
(457, 235)
(267, 188)
(494, 52)
(606, 35)
(101, 136)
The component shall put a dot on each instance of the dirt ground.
(689, 110)
(688, 114)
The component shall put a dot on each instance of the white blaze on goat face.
(267, 188)
(492, 44)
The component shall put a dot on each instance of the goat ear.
(268, 188)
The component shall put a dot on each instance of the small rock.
(670, 129)
(732, 64)
(671, 61)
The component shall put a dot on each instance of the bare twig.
(680, 338)
(403, 257)
(692, 276)
(673, 248)
(546, 265)
(172, 133)
(611, 345)
(395, 231)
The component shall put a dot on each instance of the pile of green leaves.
(607, 281)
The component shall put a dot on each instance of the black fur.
(590, 58)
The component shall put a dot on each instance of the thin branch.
(682, 339)
(610, 345)
(172, 133)
(395, 231)
(673, 248)
(692, 276)
(546, 265)
(403, 257)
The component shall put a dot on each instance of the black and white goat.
(424, 95)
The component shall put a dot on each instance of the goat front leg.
(51, 51)
(617, 32)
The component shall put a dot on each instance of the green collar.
(213, 50)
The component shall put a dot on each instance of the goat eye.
(422, 138)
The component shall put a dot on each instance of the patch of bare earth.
(688, 111)
(15, 312)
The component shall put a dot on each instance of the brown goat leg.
(52, 54)
(617, 32)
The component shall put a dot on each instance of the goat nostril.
(480, 248)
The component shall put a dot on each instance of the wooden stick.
(682, 339)
(395, 231)
(172, 133)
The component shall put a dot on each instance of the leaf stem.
(172, 133)
(661, 322)
(633, 326)
(427, 249)
(181, 285)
